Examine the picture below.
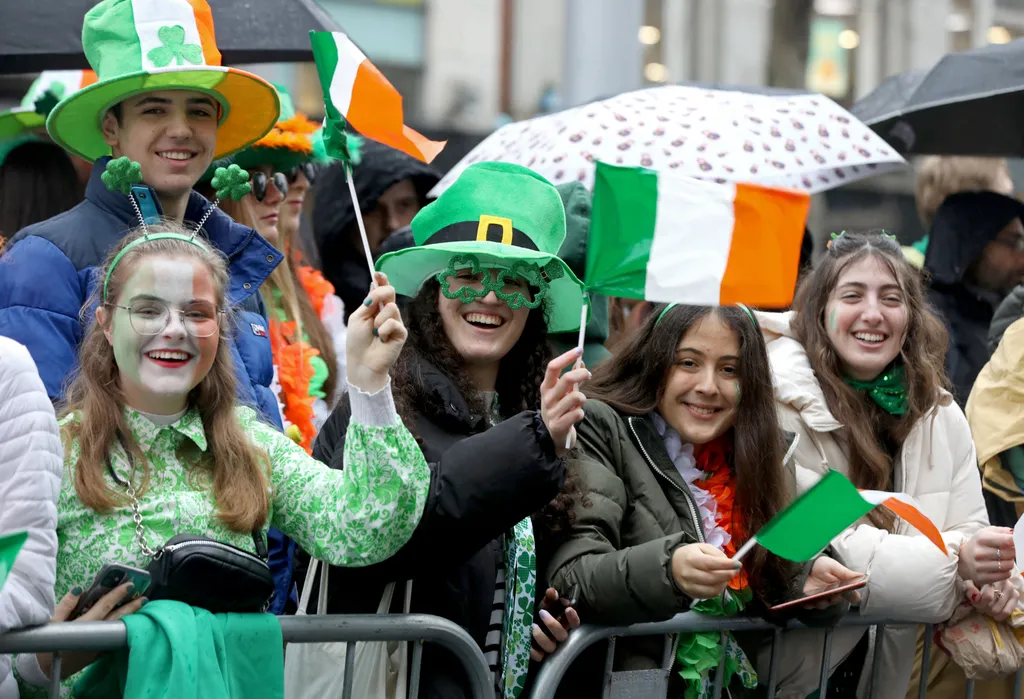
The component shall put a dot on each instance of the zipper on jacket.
(215, 544)
(685, 491)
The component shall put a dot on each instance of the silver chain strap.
(139, 532)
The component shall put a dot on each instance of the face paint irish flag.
(668, 238)
(10, 545)
(810, 522)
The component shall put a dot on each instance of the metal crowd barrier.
(345, 628)
(557, 664)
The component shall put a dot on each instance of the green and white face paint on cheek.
(158, 371)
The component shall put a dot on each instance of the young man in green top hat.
(162, 100)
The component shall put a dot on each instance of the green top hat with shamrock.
(292, 142)
(495, 215)
(138, 46)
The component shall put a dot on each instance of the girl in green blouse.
(157, 369)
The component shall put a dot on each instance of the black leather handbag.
(203, 572)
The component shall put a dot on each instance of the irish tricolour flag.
(356, 91)
(831, 505)
(663, 237)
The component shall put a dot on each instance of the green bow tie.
(888, 389)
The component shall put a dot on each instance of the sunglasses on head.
(307, 169)
(260, 181)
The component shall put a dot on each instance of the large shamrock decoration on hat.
(174, 48)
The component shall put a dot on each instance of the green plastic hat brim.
(17, 121)
(75, 123)
(408, 269)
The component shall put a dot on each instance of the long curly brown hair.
(633, 382)
(518, 385)
(922, 355)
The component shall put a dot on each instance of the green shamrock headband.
(121, 174)
(669, 307)
(537, 277)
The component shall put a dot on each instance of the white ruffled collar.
(682, 458)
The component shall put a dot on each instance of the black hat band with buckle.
(494, 229)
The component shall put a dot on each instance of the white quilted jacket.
(909, 578)
(31, 463)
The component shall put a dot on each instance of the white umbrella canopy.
(801, 141)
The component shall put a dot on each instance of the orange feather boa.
(292, 356)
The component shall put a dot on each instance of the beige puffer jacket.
(910, 579)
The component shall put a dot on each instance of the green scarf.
(888, 389)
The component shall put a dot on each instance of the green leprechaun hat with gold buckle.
(494, 216)
(138, 46)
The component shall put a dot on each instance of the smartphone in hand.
(110, 576)
(827, 591)
(558, 610)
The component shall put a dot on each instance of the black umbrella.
(970, 103)
(37, 35)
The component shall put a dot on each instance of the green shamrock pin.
(174, 48)
(231, 182)
(45, 103)
(121, 174)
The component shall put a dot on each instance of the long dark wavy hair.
(633, 382)
(922, 354)
(518, 385)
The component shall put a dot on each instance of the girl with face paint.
(157, 381)
(681, 460)
(859, 378)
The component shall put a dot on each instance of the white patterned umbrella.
(803, 141)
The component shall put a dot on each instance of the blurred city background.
(465, 67)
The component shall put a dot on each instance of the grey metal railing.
(342, 628)
(557, 664)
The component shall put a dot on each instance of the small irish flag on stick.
(811, 521)
(664, 237)
(354, 90)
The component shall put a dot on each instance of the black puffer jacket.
(338, 254)
(482, 483)
(963, 226)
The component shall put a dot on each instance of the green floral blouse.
(354, 517)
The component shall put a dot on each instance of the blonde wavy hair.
(296, 302)
(238, 469)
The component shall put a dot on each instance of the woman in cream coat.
(30, 471)
(858, 377)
